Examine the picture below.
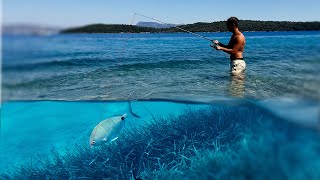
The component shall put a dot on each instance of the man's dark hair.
(233, 20)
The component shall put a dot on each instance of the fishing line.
(174, 26)
(127, 38)
(126, 44)
(131, 97)
(123, 55)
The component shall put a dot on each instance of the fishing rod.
(174, 26)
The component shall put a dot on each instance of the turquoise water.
(196, 122)
(29, 128)
(284, 129)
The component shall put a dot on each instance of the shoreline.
(183, 32)
(245, 25)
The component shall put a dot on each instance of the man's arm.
(223, 45)
(216, 42)
(237, 45)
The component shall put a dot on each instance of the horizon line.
(70, 26)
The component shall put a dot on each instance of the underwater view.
(159, 106)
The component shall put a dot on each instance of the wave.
(56, 63)
(159, 64)
(116, 63)
(107, 71)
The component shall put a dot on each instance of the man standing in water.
(235, 47)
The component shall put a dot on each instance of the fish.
(107, 130)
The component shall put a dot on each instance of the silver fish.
(107, 130)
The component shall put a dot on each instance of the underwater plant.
(219, 142)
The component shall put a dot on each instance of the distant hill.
(109, 28)
(155, 25)
(28, 29)
(220, 26)
(249, 25)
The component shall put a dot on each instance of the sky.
(68, 13)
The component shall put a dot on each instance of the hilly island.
(219, 26)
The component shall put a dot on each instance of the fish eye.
(122, 118)
(93, 142)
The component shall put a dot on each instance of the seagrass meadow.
(219, 141)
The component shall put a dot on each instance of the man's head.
(232, 23)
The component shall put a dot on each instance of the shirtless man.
(235, 47)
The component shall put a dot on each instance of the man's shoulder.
(239, 36)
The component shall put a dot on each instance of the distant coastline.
(245, 25)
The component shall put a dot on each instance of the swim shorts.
(237, 66)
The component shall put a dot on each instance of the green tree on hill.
(220, 26)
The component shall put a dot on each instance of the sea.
(57, 88)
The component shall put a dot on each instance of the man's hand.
(217, 47)
(215, 42)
